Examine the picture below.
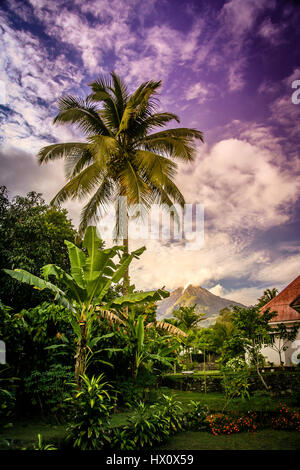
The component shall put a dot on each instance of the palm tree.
(121, 155)
(268, 295)
(187, 317)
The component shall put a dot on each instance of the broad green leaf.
(77, 261)
(140, 332)
(121, 270)
(28, 278)
(139, 297)
(78, 293)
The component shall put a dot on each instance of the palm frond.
(103, 90)
(132, 186)
(91, 211)
(138, 103)
(140, 127)
(103, 147)
(120, 92)
(172, 190)
(156, 168)
(102, 84)
(80, 186)
(63, 150)
(161, 197)
(74, 164)
(108, 315)
(168, 327)
(81, 112)
(177, 143)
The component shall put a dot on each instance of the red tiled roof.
(281, 303)
(296, 304)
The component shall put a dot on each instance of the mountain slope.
(205, 301)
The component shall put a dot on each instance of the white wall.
(289, 357)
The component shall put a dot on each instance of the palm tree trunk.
(126, 252)
(126, 276)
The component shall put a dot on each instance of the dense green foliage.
(82, 291)
(89, 322)
(187, 317)
(49, 389)
(91, 409)
(32, 234)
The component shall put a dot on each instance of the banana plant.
(140, 335)
(143, 354)
(136, 328)
(92, 273)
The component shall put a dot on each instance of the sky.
(227, 68)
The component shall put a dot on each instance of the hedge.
(278, 381)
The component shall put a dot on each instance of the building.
(287, 306)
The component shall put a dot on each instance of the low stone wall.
(279, 381)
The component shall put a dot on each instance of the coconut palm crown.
(124, 153)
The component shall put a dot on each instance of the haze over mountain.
(205, 301)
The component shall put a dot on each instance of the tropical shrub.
(7, 403)
(91, 408)
(32, 234)
(122, 439)
(48, 390)
(92, 273)
(36, 338)
(130, 392)
(147, 427)
(195, 418)
(42, 445)
(7, 396)
(235, 380)
(220, 423)
(171, 410)
(287, 419)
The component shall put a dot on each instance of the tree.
(89, 280)
(222, 330)
(121, 157)
(235, 380)
(187, 317)
(32, 234)
(268, 295)
(284, 335)
(253, 331)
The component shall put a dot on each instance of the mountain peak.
(190, 295)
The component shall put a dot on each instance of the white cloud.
(280, 271)
(233, 178)
(218, 289)
(239, 16)
(272, 32)
(172, 266)
(246, 296)
(197, 90)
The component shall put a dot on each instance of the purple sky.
(227, 69)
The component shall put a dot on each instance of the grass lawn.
(262, 440)
(24, 433)
(198, 373)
